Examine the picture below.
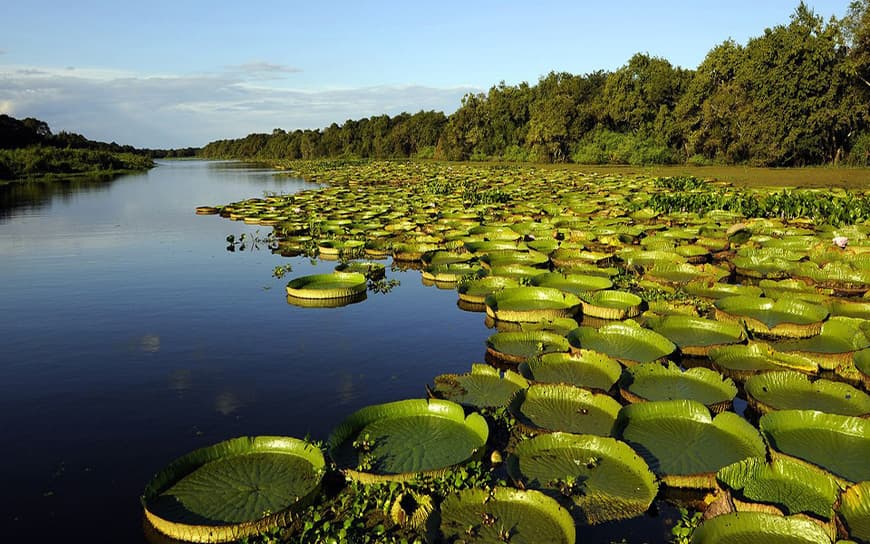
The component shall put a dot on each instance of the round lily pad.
(583, 368)
(561, 407)
(483, 387)
(747, 527)
(516, 347)
(790, 318)
(572, 283)
(742, 361)
(652, 381)
(505, 515)
(683, 444)
(838, 444)
(604, 478)
(398, 440)
(788, 390)
(476, 291)
(695, 335)
(625, 341)
(233, 489)
(327, 286)
(531, 304)
(793, 486)
(612, 304)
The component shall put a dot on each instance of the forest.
(29, 150)
(797, 95)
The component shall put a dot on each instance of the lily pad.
(791, 318)
(792, 486)
(789, 390)
(483, 387)
(752, 527)
(233, 489)
(327, 286)
(612, 304)
(742, 361)
(683, 444)
(838, 444)
(696, 335)
(604, 478)
(560, 407)
(524, 304)
(572, 283)
(652, 381)
(854, 509)
(835, 345)
(516, 347)
(398, 440)
(476, 291)
(584, 368)
(505, 515)
(716, 290)
(625, 341)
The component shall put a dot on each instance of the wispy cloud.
(261, 67)
(175, 111)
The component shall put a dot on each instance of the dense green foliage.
(28, 149)
(39, 161)
(796, 95)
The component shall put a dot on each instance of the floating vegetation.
(603, 477)
(233, 489)
(758, 285)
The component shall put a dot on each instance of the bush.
(609, 147)
(859, 155)
(515, 153)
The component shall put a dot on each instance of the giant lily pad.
(752, 527)
(716, 290)
(398, 440)
(838, 444)
(612, 304)
(681, 442)
(572, 283)
(652, 381)
(531, 304)
(839, 339)
(793, 486)
(625, 341)
(584, 368)
(854, 509)
(516, 347)
(696, 335)
(505, 515)
(233, 489)
(476, 291)
(605, 478)
(789, 390)
(328, 286)
(560, 407)
(790, 318)
(742, 361)
(483, 387)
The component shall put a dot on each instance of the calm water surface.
(131, 336)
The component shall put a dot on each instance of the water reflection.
(180, 380)
(38, 194)
(150, 343)
(227, 402)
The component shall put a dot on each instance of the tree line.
(799, 94)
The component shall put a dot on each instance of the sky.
(164, 74)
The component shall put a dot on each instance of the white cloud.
(260, 68)
(177, 111)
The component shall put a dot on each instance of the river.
(132, 336)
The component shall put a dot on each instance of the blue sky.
(179, 73)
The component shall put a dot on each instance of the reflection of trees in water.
(36, 194)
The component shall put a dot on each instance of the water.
(131, 336)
